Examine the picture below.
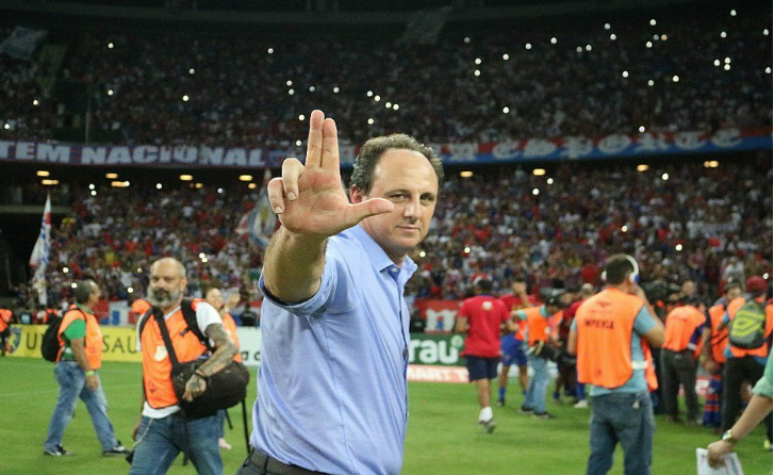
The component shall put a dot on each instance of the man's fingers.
(330, 148)
(291, 169)
(358, 212)
(276, 193)
(315, 142)
(187, 396)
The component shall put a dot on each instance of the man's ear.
(356, 196)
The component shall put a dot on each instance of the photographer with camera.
(539, 354)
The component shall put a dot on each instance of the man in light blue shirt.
(332, 391)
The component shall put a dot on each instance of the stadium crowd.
(637, 74)
(556, 230)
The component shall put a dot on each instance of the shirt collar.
(84, 309)
(378, 258)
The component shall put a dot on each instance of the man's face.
(407, 179)
(689, 288)
(519, 287)
(94, 295)
(733, 293)
(166, 285)
(214, 298)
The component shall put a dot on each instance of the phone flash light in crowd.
(270, 50)
(652, 22)
(550, 181)
(422, 253)
(186, 177)
(723, 34)
(395, 107)
(311, 88)
(252, 186)
(665, 176)
(110, 45)
(93, 193)
(553, 40)
(159, 186)
(130, 290)
(642, 128)
(65, 269)
(370, 121)
(111, 176)
(298, 143)
(109, 92)
(199, 186)
(35, 102)
(607, 26)
(377, 98)
(506, 57)
(528, 46)
(139, 270)
(388, 105)
(245, 178)
(119, 184)
(202, 255)
(466, 174)
(766, 276)
(185, 98)
(711, 164)
(613, 37)
(717, 62)
(73, 285)
(768, 70)
(43, 173)
(675, 78)
(642, 168)
(650, 82)
(336, 90)
(370, 93)
(478, 60)
(467, 40)
(291, 92)
(664, 37)
(301, 117)
(467, 250)
(733, 12)
(766, 32)
(191, 71)
(477, 73)
(727, 67)
(579, 49)
(649, 44)
(91, 186)
(679, 247)
(506, 110)
(220, 191)
(588, 47)
(624, 229)
(7, 126)
(625, 74)
(539, 171)
(535, 192)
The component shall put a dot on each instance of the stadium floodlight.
(539, 171)
(388, 105)
(110, 93)
(588, 47)
(727, 60)
(73, 285)
(245, 178)
(579, 49)
(768, 70)
(466, 174)
(43, 173)
(220, 191)
(727, 67)
(111, 176)
(186, 177)
(650, 82)
(93, 192)
(717, 62)
(311, 88)
(370, 93)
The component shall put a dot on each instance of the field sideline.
(442, 435)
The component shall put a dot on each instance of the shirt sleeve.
(206, 315)
(76, 329)
(764, 385)
(644, 322)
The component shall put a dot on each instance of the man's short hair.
(731, 286)
(618, 268)
(83, 290)
(372, 151)
(484, 284)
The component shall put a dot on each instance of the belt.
(267, 464)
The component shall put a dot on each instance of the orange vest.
(537, 324)
(681, 323)
(604, 324)
(92, 344)
(231, 329)
(156, 367)
(763, 351)
(5, 319)
(717, 338)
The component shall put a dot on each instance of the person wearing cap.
(481, 318)
(538, 330)
(712, 354)
(611, 335)
(744, 364)
(679, 356)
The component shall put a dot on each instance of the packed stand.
(553, 81)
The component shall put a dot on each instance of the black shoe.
(59, 451)
(543, 415)
(525, 410)
(489, 426)
(117, 451)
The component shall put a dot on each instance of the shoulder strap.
(144, 320)
(189, 314)
(165, 335)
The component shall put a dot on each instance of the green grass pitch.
(443, 437)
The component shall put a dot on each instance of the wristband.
(90, 372)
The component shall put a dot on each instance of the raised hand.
(309, 198)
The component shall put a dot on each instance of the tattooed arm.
(225, 350)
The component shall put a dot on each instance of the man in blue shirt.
(332, 391)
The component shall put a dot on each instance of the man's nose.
(413, 208)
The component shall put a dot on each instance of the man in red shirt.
(512, 343)
(481, 318)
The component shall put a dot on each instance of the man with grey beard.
(163, 429)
